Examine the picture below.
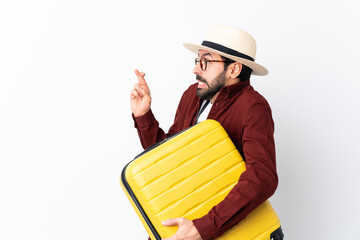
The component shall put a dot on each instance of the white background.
(66, 72)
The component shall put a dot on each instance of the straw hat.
(232, 43)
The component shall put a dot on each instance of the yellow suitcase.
(185, 176)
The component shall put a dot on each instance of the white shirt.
(203, 116)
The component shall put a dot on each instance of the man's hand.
(186, 231)
(140, 98)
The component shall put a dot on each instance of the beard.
(207, 94)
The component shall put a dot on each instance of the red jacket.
(246, 117)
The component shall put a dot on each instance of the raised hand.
(140, 98)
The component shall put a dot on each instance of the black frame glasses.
(203, 62)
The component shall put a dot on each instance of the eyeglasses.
(203, 62)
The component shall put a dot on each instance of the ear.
(235, 69)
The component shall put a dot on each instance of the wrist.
(144, 121)
(205, 227)
(140, 114)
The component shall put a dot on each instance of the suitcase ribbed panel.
(189, 174)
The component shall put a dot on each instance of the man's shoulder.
(191, 90)
(189, 96)
(250, 97)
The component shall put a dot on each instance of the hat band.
(226, 50)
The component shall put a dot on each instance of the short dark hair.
(245, 71)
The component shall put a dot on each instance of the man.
(223, 68)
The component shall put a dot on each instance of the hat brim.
(257, 69)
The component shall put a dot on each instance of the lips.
(201, 82)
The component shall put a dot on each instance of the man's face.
(212, 79)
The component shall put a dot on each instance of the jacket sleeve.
(256, 184)
(148, 127)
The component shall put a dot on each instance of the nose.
(197, 69)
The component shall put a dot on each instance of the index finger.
(171, 222)
(141, 78)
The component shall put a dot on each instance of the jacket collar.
(232, 90)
